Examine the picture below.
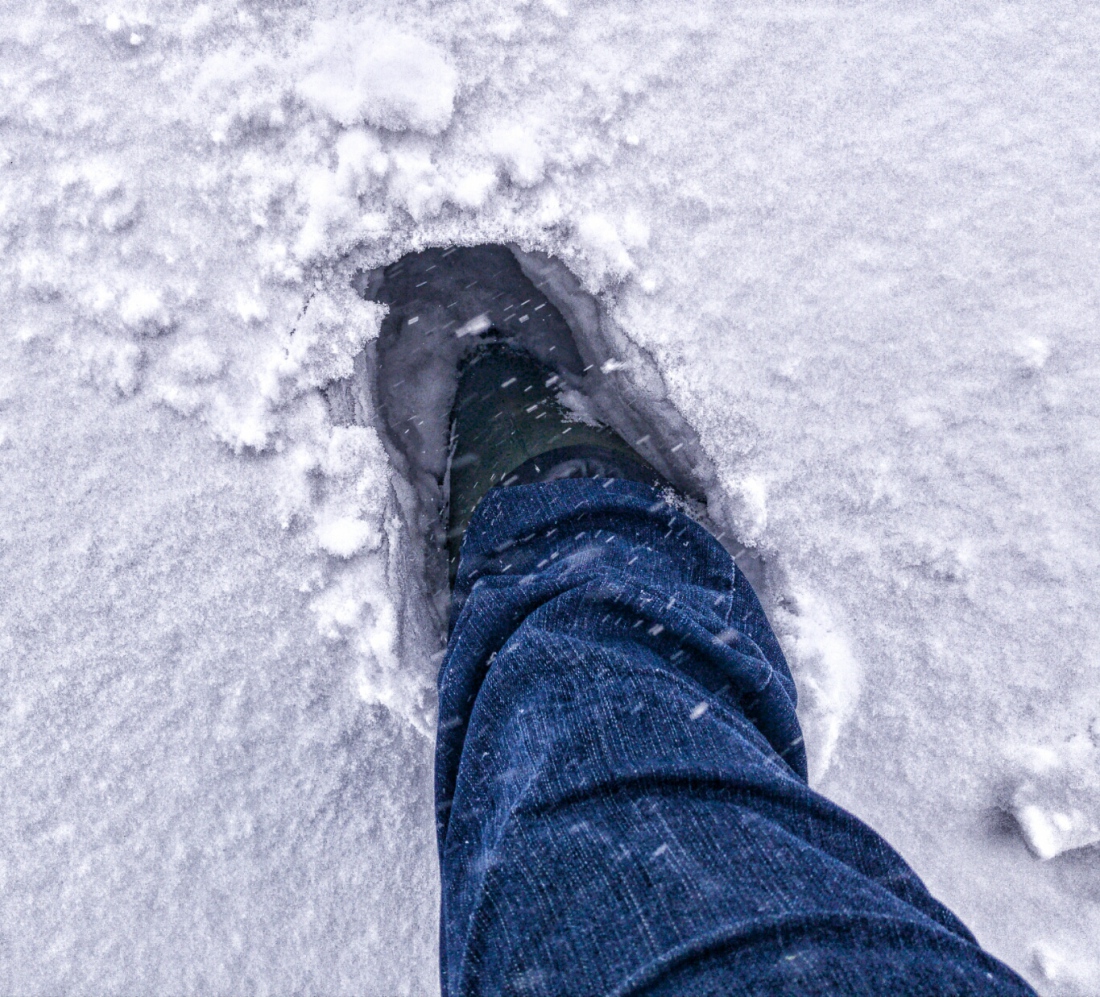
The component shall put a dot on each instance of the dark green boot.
(508, 427)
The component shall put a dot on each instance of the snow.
(1057, 803)
(847, 256)
(365, 71)
(347, 536)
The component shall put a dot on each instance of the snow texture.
(844, 254)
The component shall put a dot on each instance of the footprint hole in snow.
(441, 302)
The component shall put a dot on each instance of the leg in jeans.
(621, 781)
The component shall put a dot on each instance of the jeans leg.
(621, 780)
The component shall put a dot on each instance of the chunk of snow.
(374, 73)
(323, 344)
(826, 672)
(1067, 968)
(519, 153)
(1057, 800)
(347, 536)
(142, 310)
(473, 189)
(600, 238)
(250, 308)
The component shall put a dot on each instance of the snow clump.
(1057, 802)
(375, 73)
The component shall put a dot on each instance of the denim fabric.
(621, 780)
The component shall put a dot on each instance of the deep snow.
(851, 245)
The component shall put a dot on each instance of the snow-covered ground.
(858, 241)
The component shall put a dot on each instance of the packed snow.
(845, 252)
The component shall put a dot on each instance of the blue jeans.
(621, 780)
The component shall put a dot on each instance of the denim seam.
(730, 590)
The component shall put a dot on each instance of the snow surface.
(856, 242)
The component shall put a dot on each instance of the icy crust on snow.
(852, 247)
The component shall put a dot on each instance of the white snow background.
(860, 242)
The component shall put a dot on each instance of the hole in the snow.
(442, 304)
